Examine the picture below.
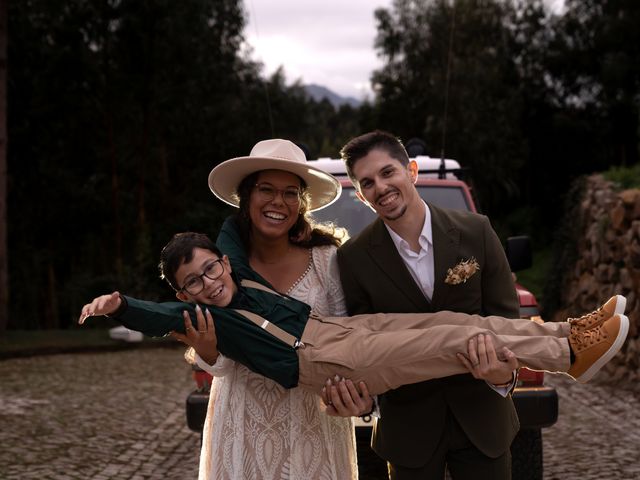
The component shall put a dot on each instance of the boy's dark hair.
(359, 147)
(179, 250)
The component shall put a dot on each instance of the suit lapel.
(384, 254)
(446, 247)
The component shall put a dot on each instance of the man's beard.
(392, 218)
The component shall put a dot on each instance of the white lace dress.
(256, 429)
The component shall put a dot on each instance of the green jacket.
(238, 338)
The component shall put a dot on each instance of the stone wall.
(608, 262)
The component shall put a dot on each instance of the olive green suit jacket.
(375, 279)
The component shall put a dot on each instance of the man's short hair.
(361, 146)
(179, 250)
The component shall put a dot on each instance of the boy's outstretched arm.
(151, 318)
(102, 305)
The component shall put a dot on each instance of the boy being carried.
(280, 338)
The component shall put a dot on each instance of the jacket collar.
(446, 249)
(384, 254)
(446, 241)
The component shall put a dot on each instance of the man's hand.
(483, 362)
(203, 340)
(343, 399)
(102, 305)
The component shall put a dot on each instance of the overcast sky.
(327, 42)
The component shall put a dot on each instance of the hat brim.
(322, 187)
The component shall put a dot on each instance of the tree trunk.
(115, 199)
(4, 254)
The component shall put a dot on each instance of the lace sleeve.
(327, 267)
(221, 368)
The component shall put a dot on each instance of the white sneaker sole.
(621, 304)
(609, 354)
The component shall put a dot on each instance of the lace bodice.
(256, 429)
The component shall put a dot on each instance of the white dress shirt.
(420, 264)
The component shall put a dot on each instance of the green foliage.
(118, 110)
(534, 100)
(595, 60)
(526, 220)
(535, 278)
(565, 247)
(624, 177)
(484, 99)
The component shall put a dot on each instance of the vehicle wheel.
(370, 465)
(526, 455)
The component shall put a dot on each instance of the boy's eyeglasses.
(212, 271)
(267, 192)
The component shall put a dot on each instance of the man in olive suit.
(401, 263)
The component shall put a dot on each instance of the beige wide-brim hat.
(322, 187)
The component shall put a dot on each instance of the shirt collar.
(426, 234)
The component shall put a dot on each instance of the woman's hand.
(102, 305)
(203, 340)
(343, 399)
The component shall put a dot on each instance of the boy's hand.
(203, 340)
(102, 305)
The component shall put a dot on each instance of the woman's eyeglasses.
(267, 192)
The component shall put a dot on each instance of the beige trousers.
(390, 350)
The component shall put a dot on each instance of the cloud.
(329, 42)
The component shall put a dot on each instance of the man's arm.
(499, 297)
(498, 290)
(356, 299)
(483, 362)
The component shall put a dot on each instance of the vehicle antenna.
(446, 90)
(264, 81)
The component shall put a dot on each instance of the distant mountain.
(318, 92)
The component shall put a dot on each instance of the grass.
(16, 343)
(624, 177)
(535, 278)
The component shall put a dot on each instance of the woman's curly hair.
(304, 233)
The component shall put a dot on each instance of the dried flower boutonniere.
(461, 272)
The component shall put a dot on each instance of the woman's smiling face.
(272, 206)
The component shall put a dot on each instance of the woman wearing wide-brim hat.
(254, 427)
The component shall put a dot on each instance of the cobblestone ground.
(120, 415)
(597, 435)
(116, 415)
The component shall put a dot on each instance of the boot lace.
(588, 319)
(585, 339)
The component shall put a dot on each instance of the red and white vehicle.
(439, 182)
